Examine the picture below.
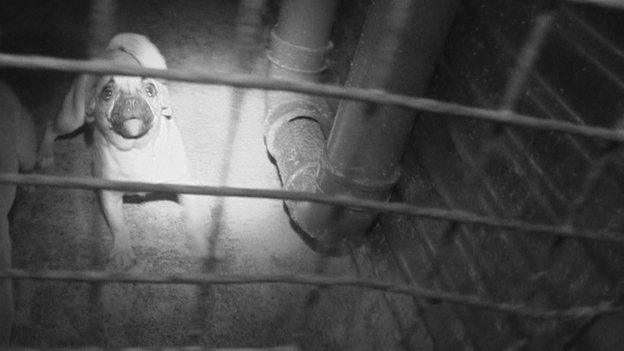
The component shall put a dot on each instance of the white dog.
(134, 137)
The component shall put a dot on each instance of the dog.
(134, 137)
(17, 153)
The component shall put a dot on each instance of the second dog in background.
(135, 137)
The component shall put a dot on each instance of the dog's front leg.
(122, 254)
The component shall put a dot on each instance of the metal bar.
(392, 207)
(617, 4)
(168, 348)
(254, 82)
(604, 308)
(526, 59)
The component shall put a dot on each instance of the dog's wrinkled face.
(126, 109)
(131, 116)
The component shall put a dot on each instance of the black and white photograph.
(294, 175)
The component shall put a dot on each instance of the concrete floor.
(222, 131)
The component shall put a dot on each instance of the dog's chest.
(162, 160)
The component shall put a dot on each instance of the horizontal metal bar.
(167, 348)
(617, 4)
(330, 91)
(278, 194)
(300, 279)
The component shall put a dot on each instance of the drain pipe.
(296, 126)
(299, 43)
(400, 43)
(399, 46)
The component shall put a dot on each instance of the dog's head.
(127, 111)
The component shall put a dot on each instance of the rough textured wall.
(459, 163)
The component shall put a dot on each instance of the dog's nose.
(130, 108)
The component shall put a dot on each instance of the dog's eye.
(150, 90)
(107, 93)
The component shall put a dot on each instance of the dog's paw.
(123, 259)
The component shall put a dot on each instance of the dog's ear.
(165, 100)
(74, 111)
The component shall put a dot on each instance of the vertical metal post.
(101, 25)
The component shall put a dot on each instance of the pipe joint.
(291, 107)
(296, 58)
(364, 185)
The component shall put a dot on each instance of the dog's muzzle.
(131, 117)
